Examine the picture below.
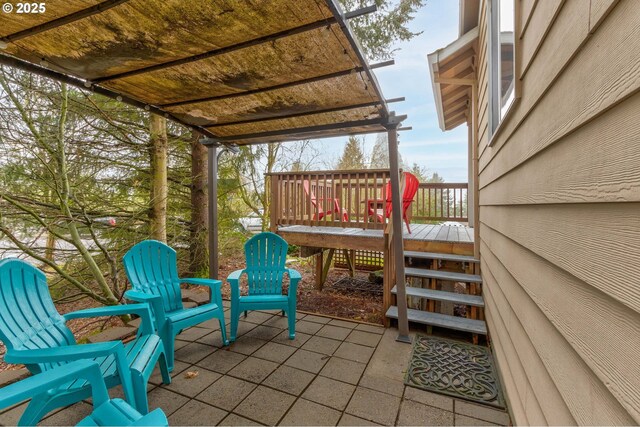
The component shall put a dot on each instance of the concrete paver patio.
(334, 373)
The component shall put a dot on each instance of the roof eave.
(466, 41)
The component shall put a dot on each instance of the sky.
(441, 152)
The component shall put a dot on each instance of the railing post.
(398, 241)
(274, 215)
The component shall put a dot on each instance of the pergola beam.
(303, 114)
(294, 83)
(303, 130)
(339, 16)
(382, 64)
(76, 16)
(267, 88)
(360, 12)
(224, 50)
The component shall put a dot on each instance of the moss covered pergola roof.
(237, 71)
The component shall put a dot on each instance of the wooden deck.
(455, 239)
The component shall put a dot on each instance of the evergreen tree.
(378, 32)
(380, 154)
(353, 155)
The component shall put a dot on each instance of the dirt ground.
(342, 303)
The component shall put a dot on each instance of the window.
(501, 64)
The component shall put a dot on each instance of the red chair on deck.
(321, 213)
(411, 185)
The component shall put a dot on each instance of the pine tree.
(380, 154)
(353, 156)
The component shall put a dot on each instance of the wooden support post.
(349, 256)
(396, 235)
(212, 184)
(388, 274)
(319, 258)
(327, 266)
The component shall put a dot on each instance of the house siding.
(559, 219)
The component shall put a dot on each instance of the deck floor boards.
(424, 237)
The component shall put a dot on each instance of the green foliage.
(353, 155)
(378, 32)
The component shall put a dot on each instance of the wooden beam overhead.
(290, 116)
(267, 88)
(346, 29)
(224, 50)
(383, 64)
(360, 12)
(296, 131)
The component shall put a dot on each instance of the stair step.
(439, 256)
(441, 320)
(442, 275)
(465, 299)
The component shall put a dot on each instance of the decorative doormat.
(454, 368)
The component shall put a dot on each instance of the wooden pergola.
(237, 72)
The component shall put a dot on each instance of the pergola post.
(212, 184)
(397, 239)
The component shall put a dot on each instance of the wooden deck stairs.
(432, 278)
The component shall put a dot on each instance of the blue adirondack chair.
(152, 270)
(266, 255)
(106, 412)
(36, 335)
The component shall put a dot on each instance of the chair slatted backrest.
(411, 185)
(152, 268)
(308, 190)
(266, 256)
(28, 318)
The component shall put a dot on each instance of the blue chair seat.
(264, 299)
(190, 315)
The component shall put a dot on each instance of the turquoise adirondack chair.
(37, 336)
(266, 255)
(152, 270)
(106, 412)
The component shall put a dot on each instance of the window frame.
(498, 114)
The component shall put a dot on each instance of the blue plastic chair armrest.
(293, 274)
(213, 284)
(142, 310)
(63, 353)
(234, 283)
(40, 383)
(141, 296)
(155, 301)
(294, 278)
(235, 276)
